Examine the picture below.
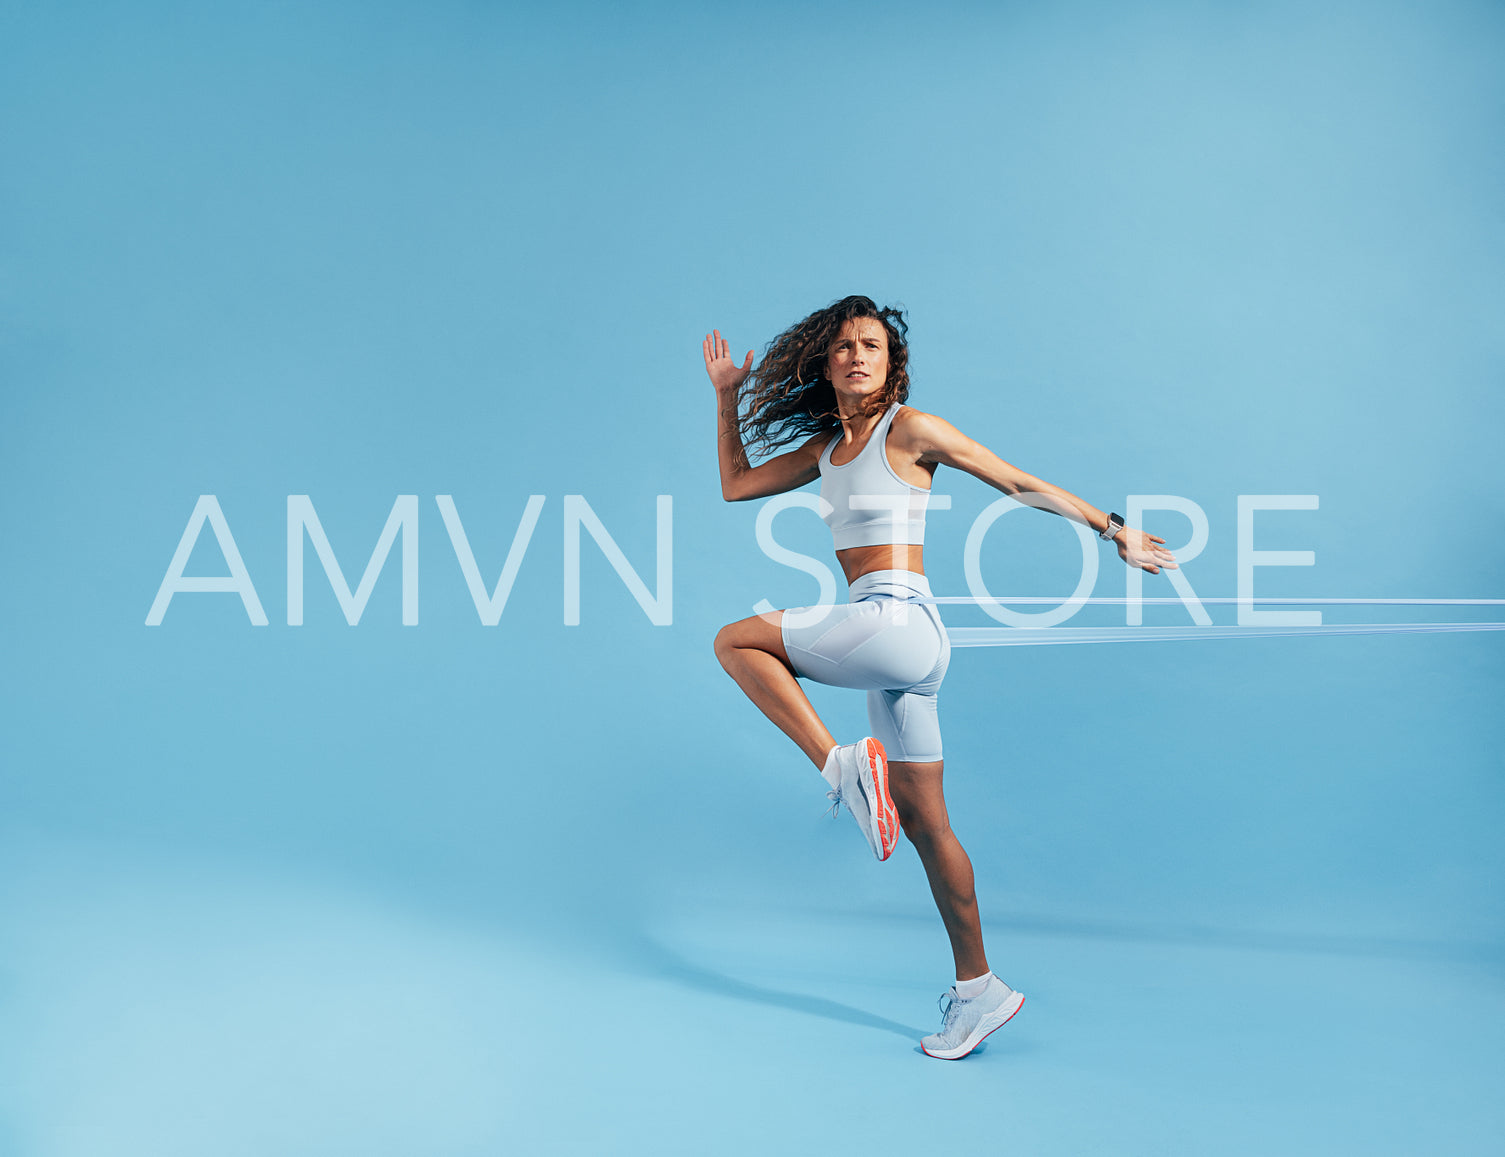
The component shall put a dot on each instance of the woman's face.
(858, 359)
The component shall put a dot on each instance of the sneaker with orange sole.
(864, 790)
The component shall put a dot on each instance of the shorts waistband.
(893, 584)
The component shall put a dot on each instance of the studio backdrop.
(369, 782)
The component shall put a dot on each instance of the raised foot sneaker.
(864, 791)
(967, 1022)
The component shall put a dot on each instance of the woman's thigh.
(872, 645)
(907, 723)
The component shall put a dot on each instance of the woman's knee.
(925, 828)
(754, 634)
(916, 789)
(923, 816)
(726, 643)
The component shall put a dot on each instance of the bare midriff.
(860, 560)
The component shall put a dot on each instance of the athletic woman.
(836, 383)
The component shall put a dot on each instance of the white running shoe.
(967, 1022)
(864, 789)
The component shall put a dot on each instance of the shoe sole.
(1002, 1014)
(886, 815)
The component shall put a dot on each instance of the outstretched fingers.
(1147, 552)
(724, 373)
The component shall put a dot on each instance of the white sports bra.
(870, 504)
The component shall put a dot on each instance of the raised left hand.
(1145, 551)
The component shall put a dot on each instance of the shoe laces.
(834, 795)
(950, 1004)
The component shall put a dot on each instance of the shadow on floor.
(659, 960)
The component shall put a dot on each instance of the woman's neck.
(856, 419)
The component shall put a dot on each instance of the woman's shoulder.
(908, 419)
(920, 430)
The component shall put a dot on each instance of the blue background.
(450, 889)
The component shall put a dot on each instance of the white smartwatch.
(1115, 524)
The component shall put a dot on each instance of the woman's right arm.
(741, 481)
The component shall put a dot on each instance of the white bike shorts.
(879, 642)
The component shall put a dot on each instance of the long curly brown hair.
(788, 397)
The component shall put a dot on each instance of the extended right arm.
(741, 481)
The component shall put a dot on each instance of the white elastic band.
(1056, 600)
(1056, 636)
